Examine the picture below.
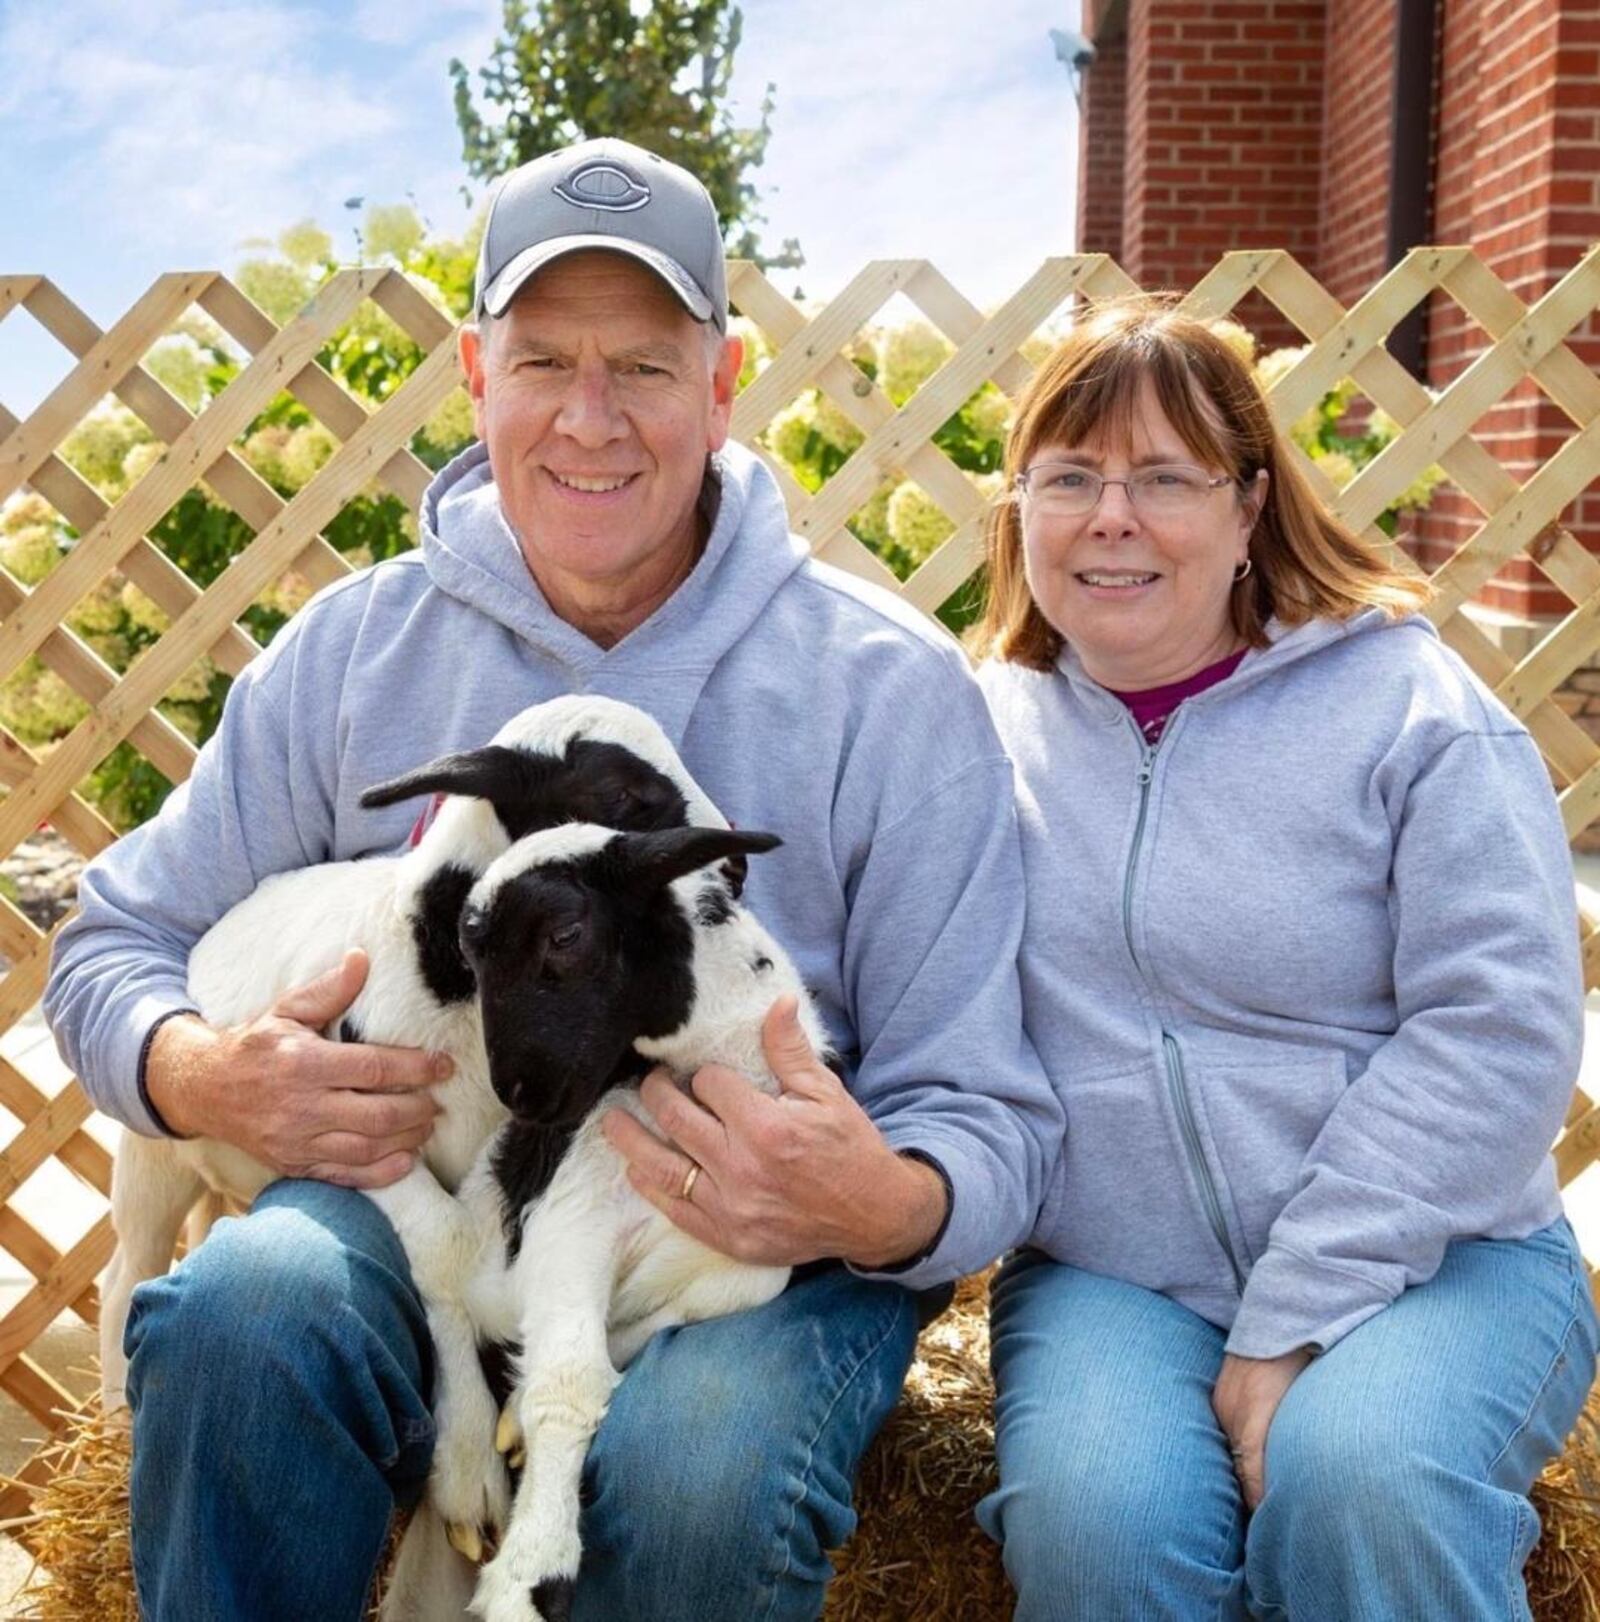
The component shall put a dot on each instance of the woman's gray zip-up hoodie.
(1305, 975)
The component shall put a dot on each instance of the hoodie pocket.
(1260, 1106)
(1124, 1201)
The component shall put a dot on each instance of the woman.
(1301, 1320)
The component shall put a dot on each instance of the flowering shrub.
(904, 526)
(1340, 441)
(371, 356)
(112, 449)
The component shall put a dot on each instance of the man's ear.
(724, 384)
(470, 345)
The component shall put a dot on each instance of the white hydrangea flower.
(990, 413)
(98, 447)
(264, 451)
(908, 356)
(451, 425)
(306, 244)
(139, 460)
(281, 290)
(179, 363)
(304, 452)
(1237, 338)
(31, 534)
(391, 231)
(1276, 364)
(917, 522)
(142, 610)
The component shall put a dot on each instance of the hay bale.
(918, 1551)
(78, 1530)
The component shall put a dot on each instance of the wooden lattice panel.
(810, 352)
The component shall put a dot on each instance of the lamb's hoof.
(508, 1438)
(503, 1595)
(465, 1540)
(117, 1418)
(552, 1599)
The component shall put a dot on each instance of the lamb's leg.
(678, 1280)
(152, 1189)
(564, 1276)
(468, 1484)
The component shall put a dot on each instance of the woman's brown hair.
(1307, 564)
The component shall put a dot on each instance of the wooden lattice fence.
(810, 352)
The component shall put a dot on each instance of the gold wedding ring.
(687, 1191)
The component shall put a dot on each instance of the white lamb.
(572, 759)
(647, 957)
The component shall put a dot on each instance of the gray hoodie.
(803, 701)
(1305, 975)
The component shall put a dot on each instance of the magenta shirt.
(1154, 705)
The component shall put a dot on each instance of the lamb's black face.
(568, 978)
(578, 960)
(591, 781)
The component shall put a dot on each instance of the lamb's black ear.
(736, 870)
(493, 773)
(650, 860)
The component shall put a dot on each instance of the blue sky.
(169, 134)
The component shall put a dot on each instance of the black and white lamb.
(586, 760)
(648, 957)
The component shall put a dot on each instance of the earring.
(1243, 569)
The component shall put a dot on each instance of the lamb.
(648, 956)
(584, 759)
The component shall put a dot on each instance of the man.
(604, 537)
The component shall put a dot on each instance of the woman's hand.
(781, 1180)
(1246, 1396)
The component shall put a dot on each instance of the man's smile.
(593, 483)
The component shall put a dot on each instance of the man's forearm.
(180, 1068)
(906, 1217)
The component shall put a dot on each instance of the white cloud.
(403, 22)
(915, 129)
(140, 138)
(193, 127)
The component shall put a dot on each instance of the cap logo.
(603, 184)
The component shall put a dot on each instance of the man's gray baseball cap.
(604, 194)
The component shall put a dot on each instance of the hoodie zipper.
(1177, 1087)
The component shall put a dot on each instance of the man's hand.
(343, 1112)
(782, 1180)
(1244, 1399)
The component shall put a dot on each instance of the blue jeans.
(279, 1384)
(1397, 1466)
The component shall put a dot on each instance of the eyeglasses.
(1066, 489)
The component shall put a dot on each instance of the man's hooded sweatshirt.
(805, 702)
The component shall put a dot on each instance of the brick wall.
(1221, 105)
(1102, 129)
(1518, 177)
(1357, 121)
(1268, 123)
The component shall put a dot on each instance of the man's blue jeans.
(1397, 1465)
(279, 1383)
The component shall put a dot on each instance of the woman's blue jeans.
(1397, 1465)
(279, 1383)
